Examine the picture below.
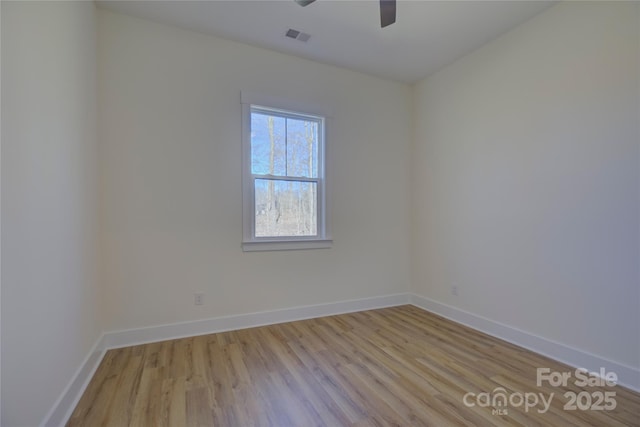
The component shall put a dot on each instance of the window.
(284, 191)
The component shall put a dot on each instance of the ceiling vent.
(297, 35)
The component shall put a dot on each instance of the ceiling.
(426, 36)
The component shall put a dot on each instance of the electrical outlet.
(454, 290)
(198, 299)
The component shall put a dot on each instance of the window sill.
(286, 245)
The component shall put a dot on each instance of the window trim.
(291, 109)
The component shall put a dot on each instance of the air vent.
(297, 35)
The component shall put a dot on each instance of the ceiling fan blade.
(387, 12)
(304, 3)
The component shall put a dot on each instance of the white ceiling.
(427, 35)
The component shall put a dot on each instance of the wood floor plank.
(399, 366)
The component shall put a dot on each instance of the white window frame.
(293, 109)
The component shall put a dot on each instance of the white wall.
(526, 180)
(49, 306)
(170, 154)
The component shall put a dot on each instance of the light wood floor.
(395, 366)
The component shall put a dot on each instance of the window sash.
(320, 212)
(319, 120)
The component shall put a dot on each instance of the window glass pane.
(302, 148)
(268, 144)
(285, 208)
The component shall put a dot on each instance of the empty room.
(320, 213)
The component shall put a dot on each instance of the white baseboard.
(64, 406)
(137, 336)
(61, 411)
(66, 403)
(627, 376)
